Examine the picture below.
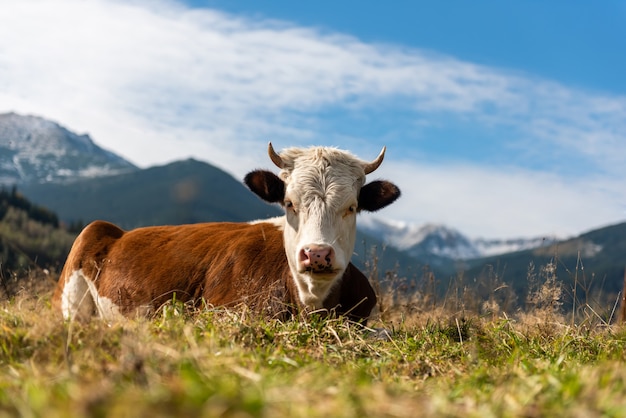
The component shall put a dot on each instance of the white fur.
(76, 300)
(321, 187)
(313, 292)
(277, 221)
(80, 298)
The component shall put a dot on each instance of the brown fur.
(221, 264)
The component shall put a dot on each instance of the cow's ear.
(267, 185)
(377, 194)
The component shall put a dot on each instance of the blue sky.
(576, 42)
(501, 119)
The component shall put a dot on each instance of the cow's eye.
(290, 206)
(351, 210)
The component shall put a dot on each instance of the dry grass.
(216, 362)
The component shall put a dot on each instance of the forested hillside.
(187, 191)
(31, 239)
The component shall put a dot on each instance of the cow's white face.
(321, 203)
(322, 190)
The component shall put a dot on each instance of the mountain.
(593, 264)
(36, 150)
(441, 241)
(181, 192)
(590, 267)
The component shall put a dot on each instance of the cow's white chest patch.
(312, 293)
(80, 299)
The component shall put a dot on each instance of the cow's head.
(322, 190)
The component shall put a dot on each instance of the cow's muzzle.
(317, 259)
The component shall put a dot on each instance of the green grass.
(235, 364)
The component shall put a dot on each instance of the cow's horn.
(274, 156)
(370, 167)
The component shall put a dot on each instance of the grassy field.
(216, 362)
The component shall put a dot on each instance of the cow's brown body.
(220, 264)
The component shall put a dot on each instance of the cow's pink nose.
(317, 258)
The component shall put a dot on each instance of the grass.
(231, 363)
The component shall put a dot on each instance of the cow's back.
(139, 270)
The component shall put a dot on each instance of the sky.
(501, 119)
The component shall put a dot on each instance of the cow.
(283, 266)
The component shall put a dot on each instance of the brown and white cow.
(299, 262)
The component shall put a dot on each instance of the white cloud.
(155, 81)
(513, 202)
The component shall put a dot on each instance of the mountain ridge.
(444, 241)
(37, 150)
(187, 191)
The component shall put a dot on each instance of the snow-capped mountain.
(36, 150)
(488, 247)
(442, 241)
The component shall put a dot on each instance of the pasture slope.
(215, 362)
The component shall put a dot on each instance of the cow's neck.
(312, 293)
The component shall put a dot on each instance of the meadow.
(434, 359)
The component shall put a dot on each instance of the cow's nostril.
(316, 257)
